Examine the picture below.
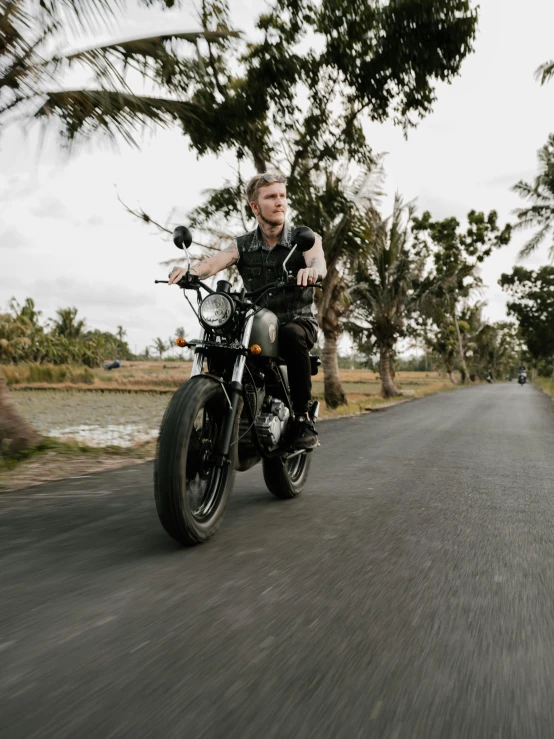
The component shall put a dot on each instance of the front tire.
(286, 479)
(191, 493)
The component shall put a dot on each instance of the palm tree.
(159, 346)
(386, 289)
(541, 194)
(442, 341)
(32, 65)
(67, 324)
(545, 72)
(345, 242)
(27, 310)
(121, 333)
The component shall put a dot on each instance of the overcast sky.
(66, 240)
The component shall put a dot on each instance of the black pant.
(296, 338)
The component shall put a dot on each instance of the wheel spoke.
(194, 455)
(202, 480)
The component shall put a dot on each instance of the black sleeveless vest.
(258, 266)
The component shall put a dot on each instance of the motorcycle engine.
(272, 422)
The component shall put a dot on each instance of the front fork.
(233, 391)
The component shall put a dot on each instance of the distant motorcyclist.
(522, 374)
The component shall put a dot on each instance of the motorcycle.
(234, 411)
(488, 377)
(522, 378)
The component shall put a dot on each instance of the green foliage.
(495, 348)
(389, 281)
(30, 68)
(277, 98)
(299, 108)
(540, 214)
(532, 303)
(545, 72)
(417, 280)
(456, 255)
(64, 341)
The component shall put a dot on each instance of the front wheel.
(286, 479)
(191, 492)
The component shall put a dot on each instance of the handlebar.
(192, 282)
(281, 285)
(189, 282)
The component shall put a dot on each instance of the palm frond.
(25, 62)
(527, 191)
(84, 13)
(535, 241)
(545, 72)
(150, 46)
(537, 215)
(152, 56)
(84, 112)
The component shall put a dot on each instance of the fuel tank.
(265, 333)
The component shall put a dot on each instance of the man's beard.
(271, 223)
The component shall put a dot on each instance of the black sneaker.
(305, 435)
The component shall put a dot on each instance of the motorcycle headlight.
(216, 310)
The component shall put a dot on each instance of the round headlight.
(216, 310)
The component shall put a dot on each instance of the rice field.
(94, 418)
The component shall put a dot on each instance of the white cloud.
(11, 238)
(50, 207)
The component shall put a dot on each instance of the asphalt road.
(408, 593)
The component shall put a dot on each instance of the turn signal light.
(256, 349)
(180, 341)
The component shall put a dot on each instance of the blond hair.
(262, 180)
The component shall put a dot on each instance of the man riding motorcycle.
(259, 256)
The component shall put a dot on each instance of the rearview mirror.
(303, 237)
(182, 237)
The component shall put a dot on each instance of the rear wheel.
(191, 492)
(286, 478)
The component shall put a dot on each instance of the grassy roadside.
(70, 449)
(546, 384)
(361, 403)
(52, 459)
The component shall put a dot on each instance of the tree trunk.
(334, 394)
(463, 365)
(16, 434)
(450, 371)
(333, 305)
(388, 388)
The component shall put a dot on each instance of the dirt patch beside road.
(60, 463)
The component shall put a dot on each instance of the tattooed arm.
(210, 266)
(316, 268)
